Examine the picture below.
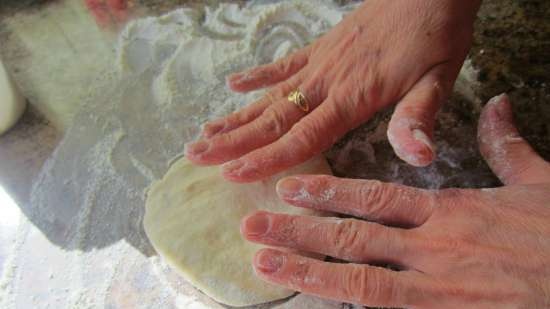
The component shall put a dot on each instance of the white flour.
(87, 248)
(87, 204)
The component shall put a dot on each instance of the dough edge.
(317, 165)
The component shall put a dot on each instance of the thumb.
(410, 131)
(510, 157)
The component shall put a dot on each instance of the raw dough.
(192, 218)
(12, 104)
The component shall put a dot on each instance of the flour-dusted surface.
(87, 204)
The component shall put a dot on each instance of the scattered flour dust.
(86, 247)
(82, 243)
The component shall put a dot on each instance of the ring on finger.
(299, 99)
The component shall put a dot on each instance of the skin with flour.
(483, 248)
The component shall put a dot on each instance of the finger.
(246, 115)
(274, 121)
(311, 135)
(510, 157)
(347, 239)
(253, 111)
(236, 119)
(373, 200)
(410, 131)
(269, 74)
(361, 284)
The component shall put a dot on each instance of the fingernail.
(257, 224)
(424, 157)
(269, 261)
(232, 167)
(289, 187)
(497, 99)
(499, 108)
(196, 148)
(422, 137)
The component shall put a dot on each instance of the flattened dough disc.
(192, 218)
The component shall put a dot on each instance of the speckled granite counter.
(512, 52)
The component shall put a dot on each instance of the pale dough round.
(12, 104)
(192, 218)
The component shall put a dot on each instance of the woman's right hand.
(460, 248)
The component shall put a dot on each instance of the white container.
(12, 103)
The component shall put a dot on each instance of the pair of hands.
(454, 248)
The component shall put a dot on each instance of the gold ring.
(299, 99)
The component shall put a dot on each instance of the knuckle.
(285, 230)
(348, 238)
(453, 245)
(346, 112)
(449, 200)
(286, 86)
(302, 136)
(302, 275)
(453, 248)
(315, 89)
(238, 118)
(247, 113)
(273, 94)
(226, 140)
(284, 66)
(273, 122)
(278, 91)
(368, 286)
(323, 182)
(376, 195)
(258, 73)
(357, 284)
(215, 125)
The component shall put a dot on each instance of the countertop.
(511, 53)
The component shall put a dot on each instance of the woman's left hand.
(486, 248)
(405, 52)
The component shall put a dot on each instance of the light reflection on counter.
(9, 221)
(9, 211)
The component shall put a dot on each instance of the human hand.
(407, 52)
(487, 248)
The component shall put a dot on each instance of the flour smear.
(86, 247)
